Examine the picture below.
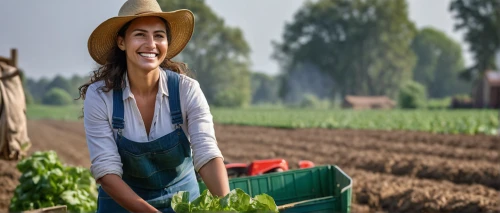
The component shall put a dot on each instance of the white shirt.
(98, 111)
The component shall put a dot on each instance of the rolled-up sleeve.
(200, 127)
(99, 135)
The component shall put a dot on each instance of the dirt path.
(392, 170)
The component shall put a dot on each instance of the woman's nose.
(150, 41)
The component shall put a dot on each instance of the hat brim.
(103, 38)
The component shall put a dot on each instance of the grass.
(69, 112)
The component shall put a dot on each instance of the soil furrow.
(393, 171)
(402, 194)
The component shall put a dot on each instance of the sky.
(51, 36)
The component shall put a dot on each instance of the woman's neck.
(144, 83)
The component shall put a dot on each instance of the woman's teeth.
(148, 55)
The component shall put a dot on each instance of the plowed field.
(393, 171)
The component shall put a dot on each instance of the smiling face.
(145, 44)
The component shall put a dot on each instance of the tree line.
(59, 90)
(373, 48)
(329, 50)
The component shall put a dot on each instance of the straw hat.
(103, 38)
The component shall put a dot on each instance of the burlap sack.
(14, 141)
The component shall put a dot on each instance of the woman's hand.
(121, 193)
(214, 174)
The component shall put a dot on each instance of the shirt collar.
(163, 82)
(163, 88)
(126, 91)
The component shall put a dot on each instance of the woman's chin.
(149, 67)
(143, 66)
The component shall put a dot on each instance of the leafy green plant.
(235, 201)
(45, 182)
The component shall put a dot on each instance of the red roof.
(369, 101)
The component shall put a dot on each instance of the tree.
(264, 88)
(60, 82)
(76, 81)
(439, 62)
(480, 19)
(37, 88)
(217, 54)
(305, 79)
(364, 46)
(57, 96)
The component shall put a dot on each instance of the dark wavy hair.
(116, 65)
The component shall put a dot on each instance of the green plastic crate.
(318, 189)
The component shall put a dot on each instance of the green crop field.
(437, 121)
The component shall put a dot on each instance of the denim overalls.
(158, 169)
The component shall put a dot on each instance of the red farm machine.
(260, 167)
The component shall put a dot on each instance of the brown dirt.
(403, 194)
(393, 171)
(364, 150)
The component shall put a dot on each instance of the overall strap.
(173, 98)
(118, 110)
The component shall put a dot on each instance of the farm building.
(497, 59)
(488, 93)
(368, 102)
(491, 90)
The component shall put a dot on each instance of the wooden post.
(13, 57)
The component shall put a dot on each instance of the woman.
(148, 125)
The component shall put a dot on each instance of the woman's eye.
(139, 34)
(160, 36)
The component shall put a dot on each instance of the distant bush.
(57, 96)
(412, 95)
(462, 102)
(229, 98)
(312, 101)
(441, 103)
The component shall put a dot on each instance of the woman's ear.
(121, 43)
